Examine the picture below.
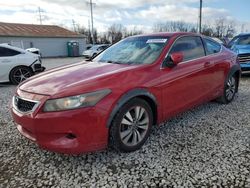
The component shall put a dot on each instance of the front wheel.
(19, 74)
(131, 126)
(230, 90)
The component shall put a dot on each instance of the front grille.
(24, 105)
(37, 66)
(243, 58)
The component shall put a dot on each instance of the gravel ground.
(208, 146)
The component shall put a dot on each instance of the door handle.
(208, 64)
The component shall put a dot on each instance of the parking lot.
(206, 146)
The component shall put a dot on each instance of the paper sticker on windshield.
(156, 40)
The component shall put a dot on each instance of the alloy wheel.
(134, 126)
(21, 75)
(230, 88)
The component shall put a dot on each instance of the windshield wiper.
(125, 63)
(131, 62)
(114, 62)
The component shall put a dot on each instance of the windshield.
(93, 48)
(134, 50)
(241, 40)
(244, 40)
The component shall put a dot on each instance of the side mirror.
(174, 59)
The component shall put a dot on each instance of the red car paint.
(175, 89)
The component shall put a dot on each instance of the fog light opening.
(70, 136)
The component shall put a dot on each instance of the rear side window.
(5, 52)
(212, 47)
(191, 47)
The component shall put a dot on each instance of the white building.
(50, 39)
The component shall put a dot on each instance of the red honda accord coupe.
(118, 96)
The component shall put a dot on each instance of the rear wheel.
(230, 90)
(131, 126)
(19, 74)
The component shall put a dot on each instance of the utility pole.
(74, 25)
(200, 16)
(89, 32)
(92, 22)
(40, 15)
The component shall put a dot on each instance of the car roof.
(244, 34)
(15, 48)
(12, 47)
(97, 45)
(5, 45)
(217, 40)
(170, 34)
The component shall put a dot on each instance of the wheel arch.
(135, 93)
(18, 67)
(235, 70)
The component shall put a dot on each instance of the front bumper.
(38, 68)
(70, 132)
(87, 56)
(245, 66)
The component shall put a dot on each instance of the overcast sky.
(140, 13)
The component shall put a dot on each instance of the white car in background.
(34, 51)
(16, 64)
(94, 50)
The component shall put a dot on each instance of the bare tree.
(87, 33)
(103, 39)
(230, 30)
(207, 29)
(131, 32)
(220, 27)
(224, 28)
(160, 27)
(173, 26)
(115, 32)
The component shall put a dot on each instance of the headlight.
(73, 102)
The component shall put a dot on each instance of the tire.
(131, 126)
(19, 74)
(230, 89)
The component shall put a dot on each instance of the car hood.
(87, 52)
(241, 49)
(63, 78)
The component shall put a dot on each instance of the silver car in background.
(94, 50)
